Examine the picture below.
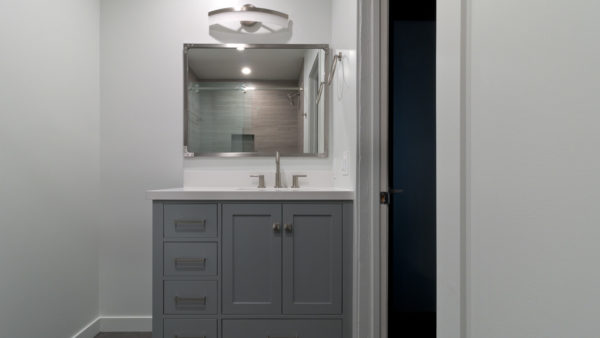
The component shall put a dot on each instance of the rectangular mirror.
(254, 100)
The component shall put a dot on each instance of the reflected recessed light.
(240, 48)
(246, 70)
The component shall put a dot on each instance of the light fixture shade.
(248, 16)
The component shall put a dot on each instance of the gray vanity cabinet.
(252, 269)
(251, 258)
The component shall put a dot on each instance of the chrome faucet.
(277, 171)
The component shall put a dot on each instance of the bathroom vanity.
(254, 262)
(250, 263)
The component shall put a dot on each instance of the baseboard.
(90, 330)
(115, 324)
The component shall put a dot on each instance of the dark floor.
(124, 335)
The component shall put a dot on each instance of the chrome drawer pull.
(288, 228)
(201, 300)
(190, 260)
(296, 336)
(190, 263)
(178, 336)
(276, 227)
(191, 226)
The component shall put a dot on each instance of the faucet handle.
(261, 180)
(295, 180)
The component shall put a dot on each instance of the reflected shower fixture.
(292, 96)
(249, 16)
(336, 58)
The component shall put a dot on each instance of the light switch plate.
(344, 168)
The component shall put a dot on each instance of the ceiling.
(226, 63)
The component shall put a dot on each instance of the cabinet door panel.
(251, 259)
(312, 259)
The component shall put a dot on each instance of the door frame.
(371, 234)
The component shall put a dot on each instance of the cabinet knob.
(276, 227)
(288, 228)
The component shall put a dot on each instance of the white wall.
(141, 125)
(343, 94)
(534, 169)
(49, 167)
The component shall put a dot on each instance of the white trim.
(466, 167)
(115, 324)
(384, 158)
(90, 330)
(451, 176)
(367, 317)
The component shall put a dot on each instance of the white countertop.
(249, 193)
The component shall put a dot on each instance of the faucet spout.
(277, 171)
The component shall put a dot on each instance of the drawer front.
(190, 259)
(190, 328)
(190, 220)
(190, 297)
(282, 328)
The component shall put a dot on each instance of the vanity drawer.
(190, 220)
(190, 328)
(190, 297)
(282, 328)
(190, 259)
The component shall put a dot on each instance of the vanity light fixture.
(246, 70)
(249, 16)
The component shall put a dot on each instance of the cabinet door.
(312, 258)
(252, 258)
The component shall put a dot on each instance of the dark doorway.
(412, 227)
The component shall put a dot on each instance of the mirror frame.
(188, 46)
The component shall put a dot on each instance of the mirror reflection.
(255, 101)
